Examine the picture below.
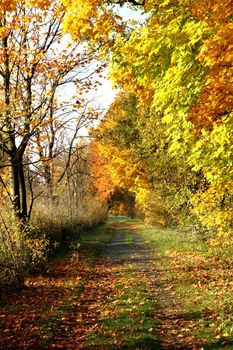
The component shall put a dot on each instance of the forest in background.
(162, 151)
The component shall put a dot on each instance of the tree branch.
(135, 3)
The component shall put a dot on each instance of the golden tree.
(37, 59)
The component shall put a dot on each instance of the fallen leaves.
(31, 318)
(124, 302)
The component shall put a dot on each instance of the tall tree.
(179, 64)
(36, 61)
(132, 155)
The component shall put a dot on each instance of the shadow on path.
(78, 302)
(174, 324)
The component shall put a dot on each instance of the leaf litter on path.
(123, 302)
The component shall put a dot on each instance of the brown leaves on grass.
(29, 319)
(84, 319)
(57, 311)
(63, 309)
(206, 287)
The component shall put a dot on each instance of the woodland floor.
(102, 295)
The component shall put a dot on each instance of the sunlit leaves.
(179, 66)
(37, 60)
(90, 20)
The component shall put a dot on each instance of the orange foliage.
(217, 55)
(213, 11)
(101, 180)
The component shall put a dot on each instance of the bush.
(26, 248)
(13, 256)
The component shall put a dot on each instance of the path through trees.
(102, 295)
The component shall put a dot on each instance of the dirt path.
(173, 326)
(123, 302)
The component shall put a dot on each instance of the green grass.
(128, 319)
(121, 219)
(93, 241)
(203, 280)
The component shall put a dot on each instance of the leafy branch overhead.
(178, 65)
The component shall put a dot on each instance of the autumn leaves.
(167, 138)
(173, 146)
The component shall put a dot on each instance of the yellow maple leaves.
(90, 20)
(179, 65)
(11, 5)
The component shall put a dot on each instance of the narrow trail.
(173, 325)
(66, 310)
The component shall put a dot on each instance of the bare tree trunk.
(18, 187)
(23, 190)
(14, 185)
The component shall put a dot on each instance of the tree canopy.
(167, 137)
(179, 67)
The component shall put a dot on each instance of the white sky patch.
(130, 14)
(103, 96)
(100, 100)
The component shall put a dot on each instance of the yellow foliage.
(42, 4)
(89, 19)
(179, 65)
(215, 211)
(37, 248)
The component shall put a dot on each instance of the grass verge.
(203, 281)
(127, 320)
(34, 317)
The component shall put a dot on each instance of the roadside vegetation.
(202, 280)
(90, 294)
(39, 316)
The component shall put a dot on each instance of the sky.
(105, 94)
(103, 97)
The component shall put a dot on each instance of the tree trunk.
(18, 187)
(14, 185)
(23, 190)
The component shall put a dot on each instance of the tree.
(133, 156)
(179, 66)
(97, 21)
(36, 61)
